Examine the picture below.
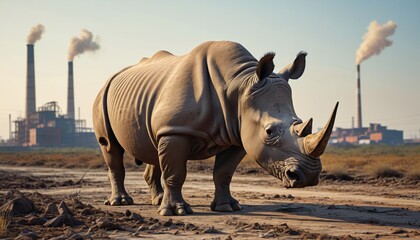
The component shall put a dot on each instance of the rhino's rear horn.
(315, 144)
(303, 129)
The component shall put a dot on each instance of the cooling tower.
(70, 93)
(30, 82)
(358, 100)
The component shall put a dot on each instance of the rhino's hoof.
(227, 207)
(165, 212)
(223, 208)
(117, 201)
(179, 209)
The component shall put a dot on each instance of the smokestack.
(10, 127)
(358, 100)
(34, 35)
(70, 93)
(30, 81)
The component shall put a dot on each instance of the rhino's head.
(272, 133)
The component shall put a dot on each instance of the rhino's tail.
(110, 138)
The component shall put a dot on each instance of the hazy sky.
(330, 31)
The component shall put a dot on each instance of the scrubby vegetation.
(5, 220)
(341, 163)
(377, 161)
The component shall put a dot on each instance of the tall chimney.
(70, 93)
(30, 81)
(358, 101)
(10, 127)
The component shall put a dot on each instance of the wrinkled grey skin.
(217, 100)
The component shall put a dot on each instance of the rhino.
(217, 100)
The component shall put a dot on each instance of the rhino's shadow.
(372, 215)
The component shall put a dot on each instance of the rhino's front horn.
(315, 144)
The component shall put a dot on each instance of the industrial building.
(374, 134)
(47, 126)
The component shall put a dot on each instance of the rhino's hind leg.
(152, 175)
(116, 175)
(173, 154)
(224, 167)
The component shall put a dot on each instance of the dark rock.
(27, 235)
(189, 227)
(22, 221)
(76, 236)
(63, 220)
(73, 222)
(18, 206)
(136, 217)
(106, 224)
(127, 213)
(210, 230)
(142, 228)
(56, 222)
(78, 204)
(69, 231)
(86, 212)
(51, 210)
(36, 220)
(14, 194)
(168, 223)
(256, 226)
(154, 226)
(399, 231)
(63, 209)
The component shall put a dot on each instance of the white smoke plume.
(84, 43)
(375, 40)
(36, 33)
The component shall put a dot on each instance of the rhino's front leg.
(173, 154)
(152, 175)
(116, 175)
(224, 167)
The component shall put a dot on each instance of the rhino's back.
(132, 96)
(171, 95)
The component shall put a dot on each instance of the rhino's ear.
(265, 66)
(295, 70)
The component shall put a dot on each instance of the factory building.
(48, 126)
(374, 134)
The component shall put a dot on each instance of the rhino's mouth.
(295, 173)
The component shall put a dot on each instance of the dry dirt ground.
(359, 209)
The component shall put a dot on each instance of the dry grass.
(376, 160)
(338, 171)
(413, 174)
(5, 220)
(380, 170)
(64, 158)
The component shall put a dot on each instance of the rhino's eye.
(273, 134)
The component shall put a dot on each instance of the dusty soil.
(361, 208)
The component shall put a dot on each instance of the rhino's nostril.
(292, 175)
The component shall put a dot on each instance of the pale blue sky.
(330, 31)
